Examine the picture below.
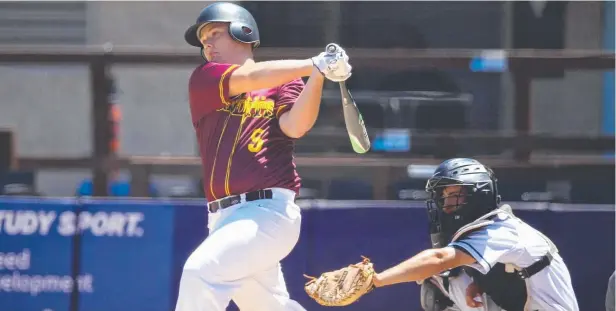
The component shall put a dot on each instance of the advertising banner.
(131, 252)
(126, 254)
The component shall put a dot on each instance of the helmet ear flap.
(203, 54)
(497, 197)
(244, 33)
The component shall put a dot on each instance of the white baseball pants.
(240, 259)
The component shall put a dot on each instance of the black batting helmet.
(478, 197)
(242, 26)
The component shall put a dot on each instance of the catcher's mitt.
(342, 287)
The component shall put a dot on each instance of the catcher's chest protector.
(506, 289)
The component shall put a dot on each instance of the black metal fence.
(500, 150)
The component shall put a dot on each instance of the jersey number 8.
(257, 142)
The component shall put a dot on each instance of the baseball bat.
(352, 117)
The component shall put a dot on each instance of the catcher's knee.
(432, 298)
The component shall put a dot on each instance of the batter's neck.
(248, 61)
(240, 58)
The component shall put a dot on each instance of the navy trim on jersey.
(471, 251)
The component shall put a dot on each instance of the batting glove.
(335, 67)
(340, 70)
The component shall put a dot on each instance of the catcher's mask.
(461, 190)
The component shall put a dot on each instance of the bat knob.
(331, 48)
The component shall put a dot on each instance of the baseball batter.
(246, 116)
(514, 264)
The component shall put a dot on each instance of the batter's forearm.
(303, 115)
(267, 74)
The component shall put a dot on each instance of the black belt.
(529, 271)
(213, 207)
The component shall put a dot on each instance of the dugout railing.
(508, 149)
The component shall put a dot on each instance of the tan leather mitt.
(342, 287)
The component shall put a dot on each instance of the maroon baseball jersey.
(241, 144)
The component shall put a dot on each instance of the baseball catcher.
(514, 264)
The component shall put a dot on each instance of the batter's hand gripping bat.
(352, 117)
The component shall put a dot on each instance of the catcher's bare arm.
(423, 266)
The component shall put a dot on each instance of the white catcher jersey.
(509, 240)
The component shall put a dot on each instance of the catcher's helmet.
(478, 196)
(242, 26)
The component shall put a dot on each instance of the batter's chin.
(215, 58)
